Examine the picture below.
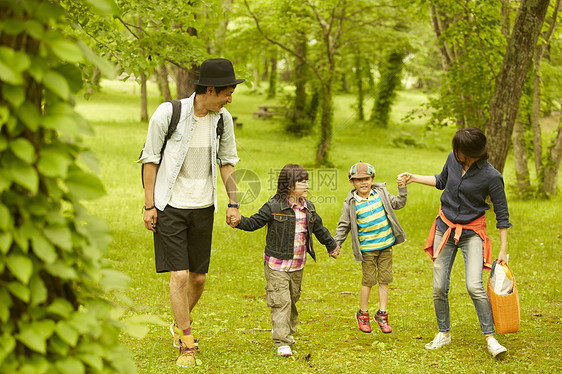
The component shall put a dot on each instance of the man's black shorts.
(183, 239)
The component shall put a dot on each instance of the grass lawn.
(232, 318)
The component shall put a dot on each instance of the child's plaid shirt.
(299, 254)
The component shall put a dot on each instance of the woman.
(467, 180)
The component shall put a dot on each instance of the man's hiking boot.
(187, 351)
(175, 330)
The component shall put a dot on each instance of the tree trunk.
(520, 153)
(359, 84)
(549, 173)
(272, 90)
(300, 82)
(387, 88)
(144, 102)
(510, 80)
(162, 76)
(325, 126)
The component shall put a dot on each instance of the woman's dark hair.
(471, 142)
(201, 90)
(288, 178)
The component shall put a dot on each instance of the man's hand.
(233, 217)
(149, 217)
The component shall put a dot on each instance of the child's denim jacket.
(280, 220)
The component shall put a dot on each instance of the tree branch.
(281, 45)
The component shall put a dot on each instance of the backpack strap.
(176, 114)
(220, 131)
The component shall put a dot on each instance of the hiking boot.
(363, 321)
(176, 336)
(187, 351)
(440, 340)
(496, 349)
(382, 319)
(284, 350)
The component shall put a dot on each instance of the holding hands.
(335, 253)
(233, 217)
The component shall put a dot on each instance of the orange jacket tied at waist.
(478, 226)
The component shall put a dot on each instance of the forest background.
(406, 73)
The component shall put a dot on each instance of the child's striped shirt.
(374, 229)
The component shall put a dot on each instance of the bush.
(54, 317)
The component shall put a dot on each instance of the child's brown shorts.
(377, 267)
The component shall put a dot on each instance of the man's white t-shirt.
(194, 185)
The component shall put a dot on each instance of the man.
(181, 190)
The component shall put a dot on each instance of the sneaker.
(440, 340)
(187, 351)
(382, 319)
(496, 349)
(363, 321)
(284, 350)
(176, 337)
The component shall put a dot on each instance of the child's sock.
(381, 311)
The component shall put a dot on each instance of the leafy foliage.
(54, 318)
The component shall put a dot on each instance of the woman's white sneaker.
(284, 350)
(495, 348)
(440, 340)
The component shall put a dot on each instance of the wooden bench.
(235, 122)
(267, 111)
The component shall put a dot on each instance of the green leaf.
(73, 76)
(27, 177)
(60, 236)
(94, 361)
(136, 330)
(7, 346)
(43, 249)
(104, 7)
(15, 95)
(20, 266)
(90, 160)
(29, 115)
(57, 84)
(38, 290)
(12, 64)
(60, 270)
(54, 162)
(67, 333)
(5, 217)
(114, 280)
(5, 305)
(60, 307)
(23, 149)
(34, 29)
(5, 242)
(84, 186)
(4, 115)
(66, 50)
(35, 335)
(106, 68)
(70, 365)
(19, 290)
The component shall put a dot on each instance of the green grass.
(232, 318)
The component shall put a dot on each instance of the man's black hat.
(217, 72)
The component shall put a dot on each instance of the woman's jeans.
(472, 251)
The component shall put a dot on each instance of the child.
(368, 212)
(290, 219)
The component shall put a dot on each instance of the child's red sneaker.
(382, 319)
(363, 321)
